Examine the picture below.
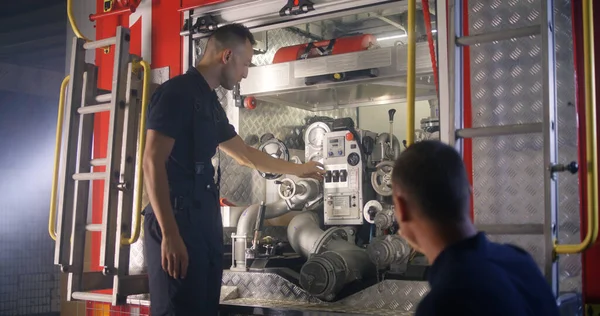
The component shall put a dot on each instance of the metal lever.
(572, 167)
(259, 224)
(391, 114)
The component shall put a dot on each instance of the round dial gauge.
(315, 134)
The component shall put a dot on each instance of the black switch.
(328, 176)
(336, 175)
(343, 175)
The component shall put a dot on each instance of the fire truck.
(510, 84)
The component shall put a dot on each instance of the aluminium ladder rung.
(512, 229)
(96, 297)
(104, 98)
(97, 162)
(499, 35)
(100, 43)
(93, 227)
(90, 109)
(89, 176)
(501, 130)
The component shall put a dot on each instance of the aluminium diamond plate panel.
(506, 89)
(268, 286)
(508, 179)
(316, 309)
(388, 296)
(137, 264)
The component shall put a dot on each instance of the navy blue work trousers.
(198, 293)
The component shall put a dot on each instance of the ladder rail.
(127, 170)
(82, 188)
(457, 68)
(68, 162)
(445, 35)
(549, 133)
(114, 152)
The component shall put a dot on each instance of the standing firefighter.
(183, 227)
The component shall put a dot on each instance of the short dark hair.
(233, 34)
(434, 175)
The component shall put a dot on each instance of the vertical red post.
(467, 106)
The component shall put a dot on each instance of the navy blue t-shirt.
(479, 277)
(171, 112)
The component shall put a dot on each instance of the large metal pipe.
(326, 273)
(248, 218)
(303, 232)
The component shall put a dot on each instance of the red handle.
(225, 202)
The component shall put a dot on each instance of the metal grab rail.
(59, 126)
(72, 21)
(411, 74)
(591, 235)
(135, 234)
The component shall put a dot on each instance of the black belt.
(183, 201)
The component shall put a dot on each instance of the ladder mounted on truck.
(546, 126)
(120, 170)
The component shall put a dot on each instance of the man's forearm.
(155, 179)
(265, 163)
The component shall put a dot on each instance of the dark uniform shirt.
(479, 277)
(172, 112)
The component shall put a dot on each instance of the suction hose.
(333, 261)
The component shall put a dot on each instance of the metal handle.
(591, 235)
(571, 167)
(72, 21)
(391, 113)
(59, 127)
(135, 234)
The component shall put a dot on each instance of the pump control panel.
(343, 183)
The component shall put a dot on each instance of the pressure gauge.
(315, 133)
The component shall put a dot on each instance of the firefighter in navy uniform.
(183, 227)
(469, 274)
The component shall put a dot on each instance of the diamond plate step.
(229, 293)
(501, 130)
(501, 35)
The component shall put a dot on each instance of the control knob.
(353, 159)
